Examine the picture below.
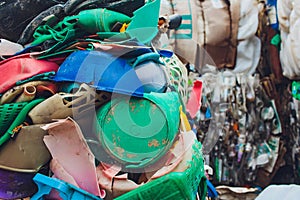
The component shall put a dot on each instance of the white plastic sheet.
(280, 192)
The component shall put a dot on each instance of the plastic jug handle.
(146, 57)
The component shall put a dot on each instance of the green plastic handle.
(146, 57)
(19, 120)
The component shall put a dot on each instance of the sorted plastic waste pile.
(243, 55)
(249, 122)
(240, 128)
(90, 109)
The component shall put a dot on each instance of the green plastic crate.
(175, 185)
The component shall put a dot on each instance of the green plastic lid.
(136, 132)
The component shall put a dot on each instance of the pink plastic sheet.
(73, 161)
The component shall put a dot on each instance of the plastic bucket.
(136, 132)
